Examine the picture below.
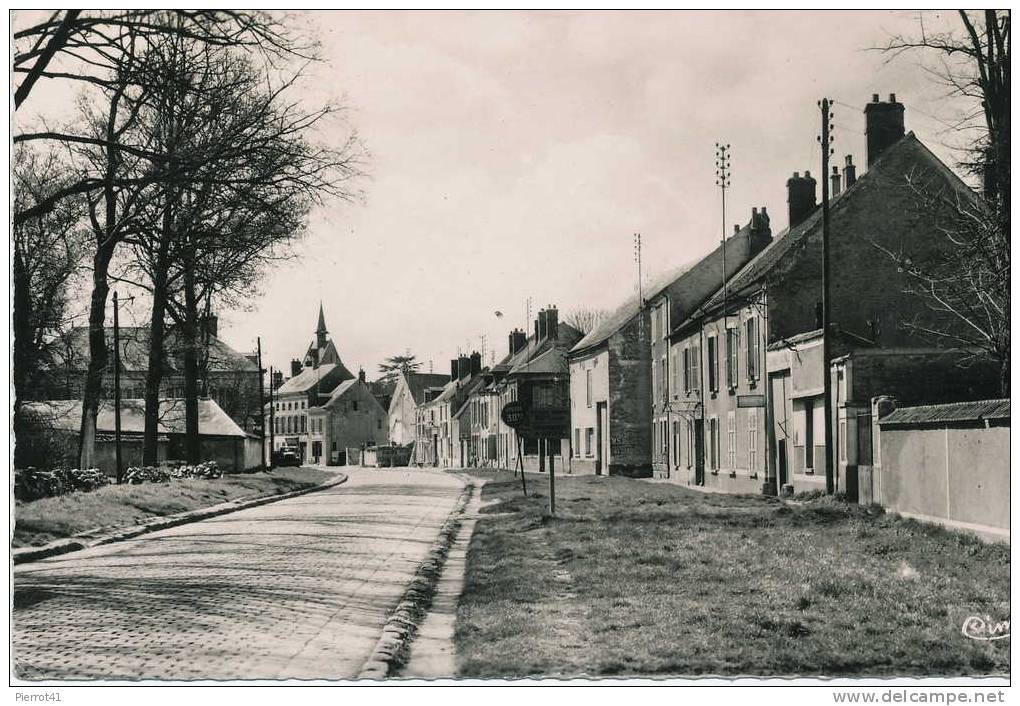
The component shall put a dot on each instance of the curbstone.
(394, 646)
(86, 540)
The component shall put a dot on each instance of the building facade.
(410, 391)
(752, 369)
(351, 418)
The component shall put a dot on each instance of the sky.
(513, 155)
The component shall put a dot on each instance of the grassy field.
(48, 519)
(637, 578)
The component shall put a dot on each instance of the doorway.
(699, 451)
(602, 442)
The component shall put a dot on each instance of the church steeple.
(320, 330)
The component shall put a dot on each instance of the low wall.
(954, 474)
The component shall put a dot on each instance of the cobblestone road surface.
(298, 589)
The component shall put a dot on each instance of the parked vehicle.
(287, 457)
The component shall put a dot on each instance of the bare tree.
(244, 195)
(968, 281)
(46, 258)
(585, 319)
(91, 48)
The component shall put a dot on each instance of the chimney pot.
(800, 197)
(835, 180)
(874, 98)
(736, 228)
(883, 126)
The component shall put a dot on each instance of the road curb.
(394, 645)
(77, 543)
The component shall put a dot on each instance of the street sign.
(750, 400)
(513, 415)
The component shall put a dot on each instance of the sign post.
(514, 416)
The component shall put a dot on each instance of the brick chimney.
(277, 379)
(761, 231)
(835, 180)
(849, 171)
(552, 322)
(883, 125)
(454, 369)
(518, 340)
(295, 367)
(463, 366)
(476, 363)
(543, 327)
(361, 374)
(800, 197)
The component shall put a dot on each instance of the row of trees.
(188, 167)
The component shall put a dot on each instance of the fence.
(947, 464)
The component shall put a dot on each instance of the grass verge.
(635, 578)
(116, 506)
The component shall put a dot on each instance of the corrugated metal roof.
(948, 413)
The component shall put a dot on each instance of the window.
(731, 440)
(663, 378)
(690, 443)
(378, 424)
(809, 433)
(587, 382)
(687, 369)
(713, 443)
(577, 443)
(665, 440)
(753, 348)
(304, 420)
(674, 382)
(752, 440)
(589, 437)
(696, 366)
(655, 328)
(731, 358)
(676, 444)
(354, 405)
(713, 365)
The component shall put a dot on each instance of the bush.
(154, 474)
(33, 483)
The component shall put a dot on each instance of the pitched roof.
(66, 415)
(308, 378)
(552, 360)
(622, 315)
(908, 151)
(417, 383)
(948, 413)
(566, 338)
(134, 351)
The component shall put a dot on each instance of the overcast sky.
(514, 154)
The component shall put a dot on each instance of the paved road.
(297, 589)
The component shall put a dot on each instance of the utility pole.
(262, 406)
(116, 390)
(272, 419)
(722, 180)
(825, 140)
(637, 259)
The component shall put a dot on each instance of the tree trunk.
(157, 336)
(23, 349)
(97, 355)
(154, 375)
(192, 443)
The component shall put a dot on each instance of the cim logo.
(977, 627)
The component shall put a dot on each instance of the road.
(297, 589)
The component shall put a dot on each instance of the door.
(601, 445)
(699, 451)
(781, 463)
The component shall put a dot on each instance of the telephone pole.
(722, 180)
(118, 460)
(825, 140)
(262, 406)
(272, 420)
(637, 259)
